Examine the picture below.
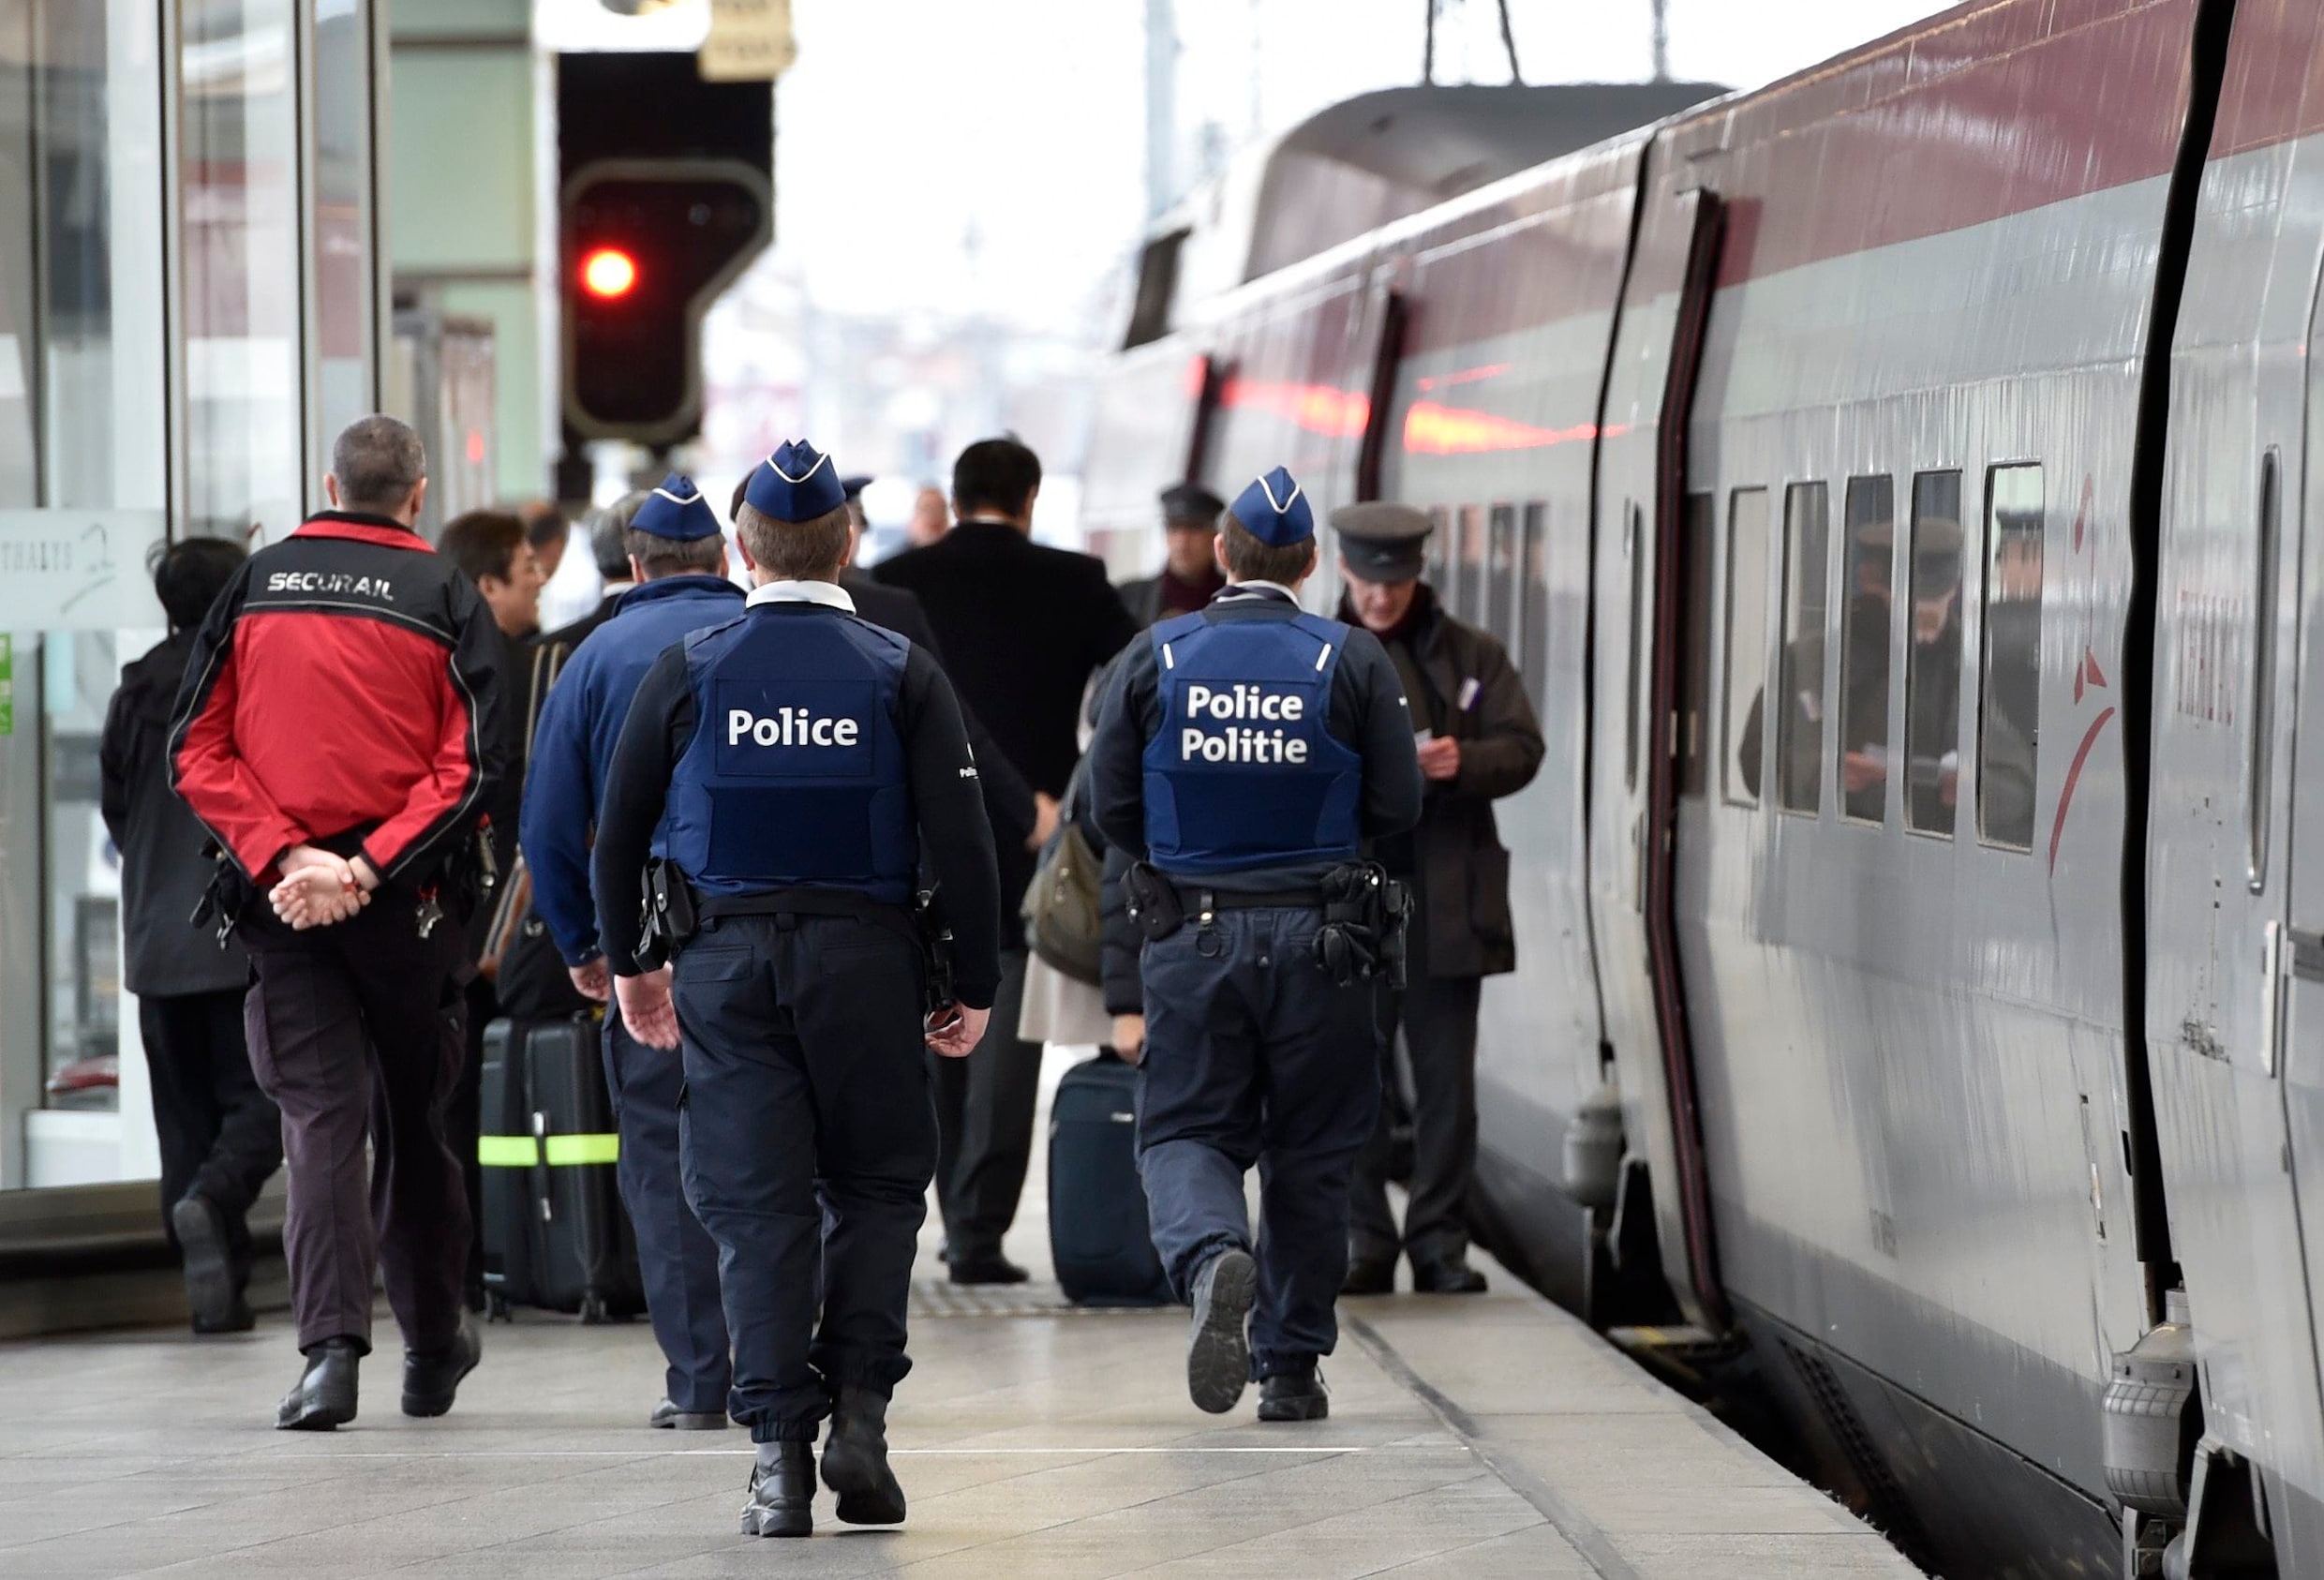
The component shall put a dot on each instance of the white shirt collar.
(1234, 588)
(829, 594)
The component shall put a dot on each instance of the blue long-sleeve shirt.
(573, 744)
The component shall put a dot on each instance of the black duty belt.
(892, 914)
(1198, 900)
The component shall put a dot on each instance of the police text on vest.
(1237, 741)
(790, 726)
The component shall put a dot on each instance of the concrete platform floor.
(1472, 1437)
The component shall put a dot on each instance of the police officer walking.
(789, 771)
(1482, 742)
(1245, 754)
(678, 559)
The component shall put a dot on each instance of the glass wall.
(186, 276)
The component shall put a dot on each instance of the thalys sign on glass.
(734, 40)
(77, 569)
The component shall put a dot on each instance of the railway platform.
(1481, 1436)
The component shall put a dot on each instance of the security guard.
(790, 769)
(1190, 576)
(1245, 753)
(677, 561)
(1481, 742)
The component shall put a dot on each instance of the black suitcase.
(1097, 1233)
(556, 1234)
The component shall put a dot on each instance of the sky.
(945, 157)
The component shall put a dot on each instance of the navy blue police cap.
(676, 511)
(797, 483)
(1275, 511)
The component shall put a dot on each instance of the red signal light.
(608, 273)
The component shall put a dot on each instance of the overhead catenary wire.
(1508, 42)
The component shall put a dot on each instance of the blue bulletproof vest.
(796, 776)
(1243, 773)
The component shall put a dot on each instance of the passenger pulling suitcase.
(1097, 1231)
(556, 1233)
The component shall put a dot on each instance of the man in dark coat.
(1479, 741)
(1023, 628)
(220, 1135)
(1190, 576)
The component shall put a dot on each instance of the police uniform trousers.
(677, 1258)
(1255, 1057)
(1438, 1015)
(219, 1134)
(808, 1135)
(985, 1107)
(357, 1032)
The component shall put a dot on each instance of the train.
(1891, 485)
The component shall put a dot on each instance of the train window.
(1530, 652)
(1799, 683)
(1866, 626)
(1501, 590)
(1694, 701)
(1440, 550)
(1635, 545)
(1747, 640)
(1469, 573)
(2009, 711)
(1933, 665)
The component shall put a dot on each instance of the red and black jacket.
(345, 689)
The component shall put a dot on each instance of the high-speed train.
(1892, 486)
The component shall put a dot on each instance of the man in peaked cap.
(678, 563)
(1244, 755)
(1190, 576)
(786, 772)
(1482, 742)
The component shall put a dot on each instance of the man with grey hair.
(337, 733)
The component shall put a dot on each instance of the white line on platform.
(893, 1452)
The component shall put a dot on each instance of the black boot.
(854, 1459)
(213, 1292)
(783, 1491)
(1293, 1396)
(1218, 1349)
(1370, 1275)
(432, 1381)
(1447, 1275)
(325, 1395)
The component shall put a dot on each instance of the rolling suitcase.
(1097, 1231)
(556, 1234)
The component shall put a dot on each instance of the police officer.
(791, 770)
(1190, 576)
(1245, 753)
(677, 561)
(1481, 742)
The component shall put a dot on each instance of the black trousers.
(807, 1139)
(219, 1134)
(1254, 1059)
(1439, 1019)
(984, 1121)
(357, 1032)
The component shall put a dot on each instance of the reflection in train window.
(1865, 628)
(1694, 700)
(1469, 573)
(1501, 575)
(1441, 551)
(1799, 683)
(2009, 714)
(1529, 654)
(1635, 545)
(1747, 640)
(1932, 667)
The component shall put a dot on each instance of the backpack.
(1064, 918)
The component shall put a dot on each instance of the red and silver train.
(1892, 486)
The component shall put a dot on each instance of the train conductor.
(1479, 741)
(788, 771)
(1243, 755)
